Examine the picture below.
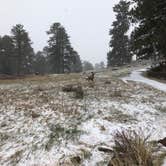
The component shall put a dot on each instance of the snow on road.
(137, 76)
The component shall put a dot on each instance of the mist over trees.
(17, 56)
(87, 66)
(146, 41)
(119, 43)
(99, 66)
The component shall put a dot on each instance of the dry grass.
(162, 109)
(131, 149)
(41, 79)
(77, 89)
(119, 116)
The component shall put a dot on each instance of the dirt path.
(137, 76)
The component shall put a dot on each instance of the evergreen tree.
(99, 66)
(40, 63)
(56, 47)
(6, 55)
(23, 51)
(149, 37)
(119, 43)
(61, 55)
(68, 59)
(77, 64)
(87, 66)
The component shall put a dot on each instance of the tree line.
(148, 37)
(146, 41)
(17, 57)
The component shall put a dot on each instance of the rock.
(3, 124)
(162, 141)
(35, 115)
(99, 112)
(76, 160)
(79, 93)
(77, 89)
(114, 69)
(68, 88)
(69, 161)
(107, 82)
(105, 150)
(102, 128)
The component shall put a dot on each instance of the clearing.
(42, 125)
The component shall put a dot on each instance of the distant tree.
(99, 66)
(119, 43)
(77, 64)
(6, 55)
(149, 37)
(68, 59)
(24, 53)
(102, 65)
(62, 57)
(40, 63)
(87, 66)
(56, 47)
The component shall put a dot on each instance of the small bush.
(131, 149)
(79, 93)
(163, 109)
(77, 89)
(68, 88)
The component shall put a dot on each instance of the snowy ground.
(41, 125)
(137, 76)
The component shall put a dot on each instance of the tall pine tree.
(40, 63)
(7, 55)
(119, 43)
(24, 53)
(149, 37)
(56, 47)
(59, 50)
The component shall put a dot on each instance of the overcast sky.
(87, 22)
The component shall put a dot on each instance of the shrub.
(77, 89)
(131, 149)
(79, 93)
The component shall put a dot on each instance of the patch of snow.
(137, 76)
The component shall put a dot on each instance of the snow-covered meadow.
(42, 125)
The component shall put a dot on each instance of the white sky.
(87, 22)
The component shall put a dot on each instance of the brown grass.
(131, 149)
(40, 78)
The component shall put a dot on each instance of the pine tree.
(56, 47)
(149, 36)
(119, 43)
(6, 55)
(76, 63)
(87, 66)
(40, 63)
(61, 55)
(23, 51)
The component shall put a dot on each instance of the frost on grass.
(40, 124)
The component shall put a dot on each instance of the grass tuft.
(131, 149)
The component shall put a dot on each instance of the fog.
(87, 22)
